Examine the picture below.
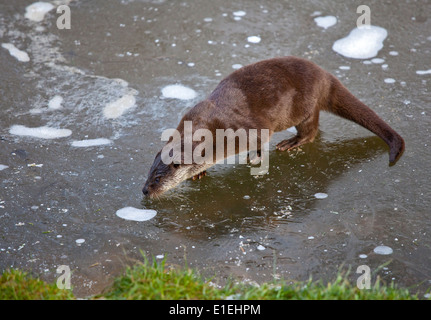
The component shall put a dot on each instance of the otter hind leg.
(307, 131)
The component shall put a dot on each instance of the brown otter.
(273, 94)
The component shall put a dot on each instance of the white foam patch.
(320, 195)
(16, 53)
(254, 39)
(361, 43)
(91, 143)
(177, 91)
(118, 107)
(36, 11)
(2, 167)
(55, 102)
(422, 72)
(239, 13)
(134, 214)
(384, 250)
(325, 22)
(40, 132)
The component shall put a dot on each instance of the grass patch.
(19, 285)
(155, 281)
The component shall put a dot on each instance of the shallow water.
(58, 202)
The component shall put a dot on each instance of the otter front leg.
(199, 175)
(307, 131)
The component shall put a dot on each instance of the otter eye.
(176, 165)
(157, 180)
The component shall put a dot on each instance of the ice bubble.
(40, 132)
(177, 91)
(377, 60)
(344, 67)
(422, 72)
(361, 43)
(55, 102)
(36, 11)
(239, 13)
(79, 241)
(320, 195)
(260, 247)
(325, 22)
(134, 214)
(2, 167)
(118, 107)
(385, 250)
(389, 80)
(91, 142)
(253, 39)
(393, 53)
(363, 256)
(310, 238)
(236, 66)
(16, 53)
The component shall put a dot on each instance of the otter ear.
(176, 165)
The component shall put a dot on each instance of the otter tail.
(346, 105)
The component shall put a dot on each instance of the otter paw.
(199, 175)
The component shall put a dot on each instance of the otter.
(273, 94)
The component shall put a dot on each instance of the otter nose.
(145, 191)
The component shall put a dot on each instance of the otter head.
(164, 176)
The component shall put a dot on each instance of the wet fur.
(273, 94)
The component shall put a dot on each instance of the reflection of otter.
(273, 94)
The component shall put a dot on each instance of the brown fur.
(276, 94)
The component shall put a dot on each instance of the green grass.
(19, 285)
(151, 280)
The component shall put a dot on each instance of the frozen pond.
(83, 110)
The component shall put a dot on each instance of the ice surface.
(36, 11)
(91, 142)
(177, 91)
(16, 53)
(134, 214)
(2, 167)
(40, 132)
(361, 43)
(325, 22)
